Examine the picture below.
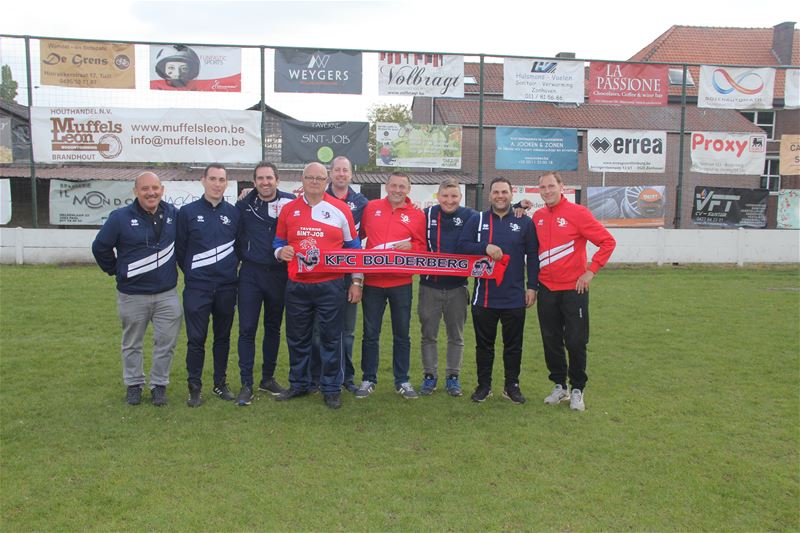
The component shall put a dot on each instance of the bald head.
(146, 174)
(148, 191)
(314, 169)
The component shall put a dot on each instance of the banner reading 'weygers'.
(407, 74)
(302, 70)
(736, 88)
(89, 65)
(92, 134)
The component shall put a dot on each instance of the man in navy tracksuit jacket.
(496, 232)
(206, 253)
(443, 296)
(143, 234)
(262, 279)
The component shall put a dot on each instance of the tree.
(8, 87)
(398, 113)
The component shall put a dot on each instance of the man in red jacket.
(563, 301)
(390, 223)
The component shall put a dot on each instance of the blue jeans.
(373, 301)
(350, 313)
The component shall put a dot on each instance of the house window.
(771, 178)
(470, 80)
(764, 120)
(676, 77)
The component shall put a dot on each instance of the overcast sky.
(614, 29)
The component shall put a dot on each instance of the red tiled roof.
(81, 173)
(717, 46)
(533, 114)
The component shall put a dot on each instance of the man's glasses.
(315, 178)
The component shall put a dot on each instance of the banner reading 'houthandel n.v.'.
(95, 134)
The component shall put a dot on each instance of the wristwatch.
(358, 283)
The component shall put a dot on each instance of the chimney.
(571, 55)
(782, 37)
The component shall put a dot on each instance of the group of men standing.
(268, 228)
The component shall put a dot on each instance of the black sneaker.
(245, 395)
(513, 393)
(313, 389)
(290, 394)
(349, 386)
(159, 394)
(134, 395)
(334, 401)
(224, 392)
(481, 393)
(194, 396)
(271, 386)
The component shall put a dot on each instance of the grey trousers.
(432, 305)
(135, 312)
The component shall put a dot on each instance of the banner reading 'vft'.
(92, 134)
(730, 208)
(728, 153)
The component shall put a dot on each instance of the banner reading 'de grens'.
(95, 134)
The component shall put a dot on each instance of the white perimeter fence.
(740, 246)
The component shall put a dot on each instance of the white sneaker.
(558, 395)
(576, 400)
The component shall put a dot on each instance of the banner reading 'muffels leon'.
(628, 83)
(407, 74)
(89, 134)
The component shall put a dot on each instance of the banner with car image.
(100, 134)
(418, 145)
(639, 206)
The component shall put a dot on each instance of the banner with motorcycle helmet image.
(639, 206)
(177, 67)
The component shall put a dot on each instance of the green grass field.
(692, 423)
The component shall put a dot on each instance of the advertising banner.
(304, 142)
(304, 70)
(543, 81)
(406, 74)
(88, 203)
(99, 134)
(424, 196)
(628, 83)
(531, 193)
(88, 65)
(736, 88)
(418, 145)
(5, 201)
(536, 149)
(729, 207)
(790, 155)
(791, 89)
(728, 153)
(177, 67)
(626, 151)
(628, 207)
(789, 209)
(6, 146)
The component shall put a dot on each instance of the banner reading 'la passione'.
(628, 83)
(95, 134)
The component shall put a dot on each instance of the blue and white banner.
(543, 81)
(536, 149)
(736, 88)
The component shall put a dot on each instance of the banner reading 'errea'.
(99, 134)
